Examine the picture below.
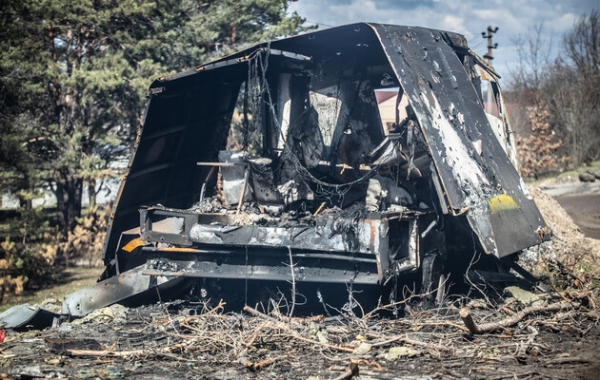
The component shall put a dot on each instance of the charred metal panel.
(454, 123)
(27, 316)
(164, 225)
(263, 264)
(182, 126)
(112, 290)
(328, 234)
(368, 236)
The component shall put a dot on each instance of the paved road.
(582, 202)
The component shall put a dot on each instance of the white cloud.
(455, 24)
(468, 17)
(565, 22)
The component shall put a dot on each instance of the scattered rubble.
(568, 244)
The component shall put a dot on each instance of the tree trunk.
(91, 188)
(68, 195)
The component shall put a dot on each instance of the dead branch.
(467, 319)
(147, 352)
(242, 355)
(374, 312)
(494, 326)
(113, 354)
(259, 365)
(291, 332)
(442, 323)
(418, 343)
(258, 314)
(291, 311)
(566, 360)
(452, 373)
(350, 372)
(553, 284)
(407, 340)
(317, 343)
(214, 310)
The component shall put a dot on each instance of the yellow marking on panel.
(502, 202)
(137, 242)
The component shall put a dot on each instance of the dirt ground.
(525, 334)
(151, 343)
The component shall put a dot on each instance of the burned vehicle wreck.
(353, 155)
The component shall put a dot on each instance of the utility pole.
(489, 58)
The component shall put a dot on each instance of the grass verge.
(568, 176)
(64, 282)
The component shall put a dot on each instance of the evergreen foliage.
(73, 80)
(73, 77)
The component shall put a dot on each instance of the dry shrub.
(35, 254)
(84, 244)
(21, 261)
(11, 286)
(538, 153)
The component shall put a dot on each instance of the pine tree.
(73, 76)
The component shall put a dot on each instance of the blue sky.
(468, 17)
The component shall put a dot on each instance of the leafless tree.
(569, 87)
(573, 89)
(533, 52)
(526, 77)
(582, 46)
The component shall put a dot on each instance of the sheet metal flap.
(486, 186)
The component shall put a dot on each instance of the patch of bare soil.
(546, 335)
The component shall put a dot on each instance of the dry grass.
(68, 281)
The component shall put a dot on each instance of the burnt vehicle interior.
(353, 155)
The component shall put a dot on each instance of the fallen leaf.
(402, 351)
(362, 349)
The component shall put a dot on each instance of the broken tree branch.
(350, 372)
(494, 326)
(465, 315)
(291, 311)
(406, 340)
(291, 332)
